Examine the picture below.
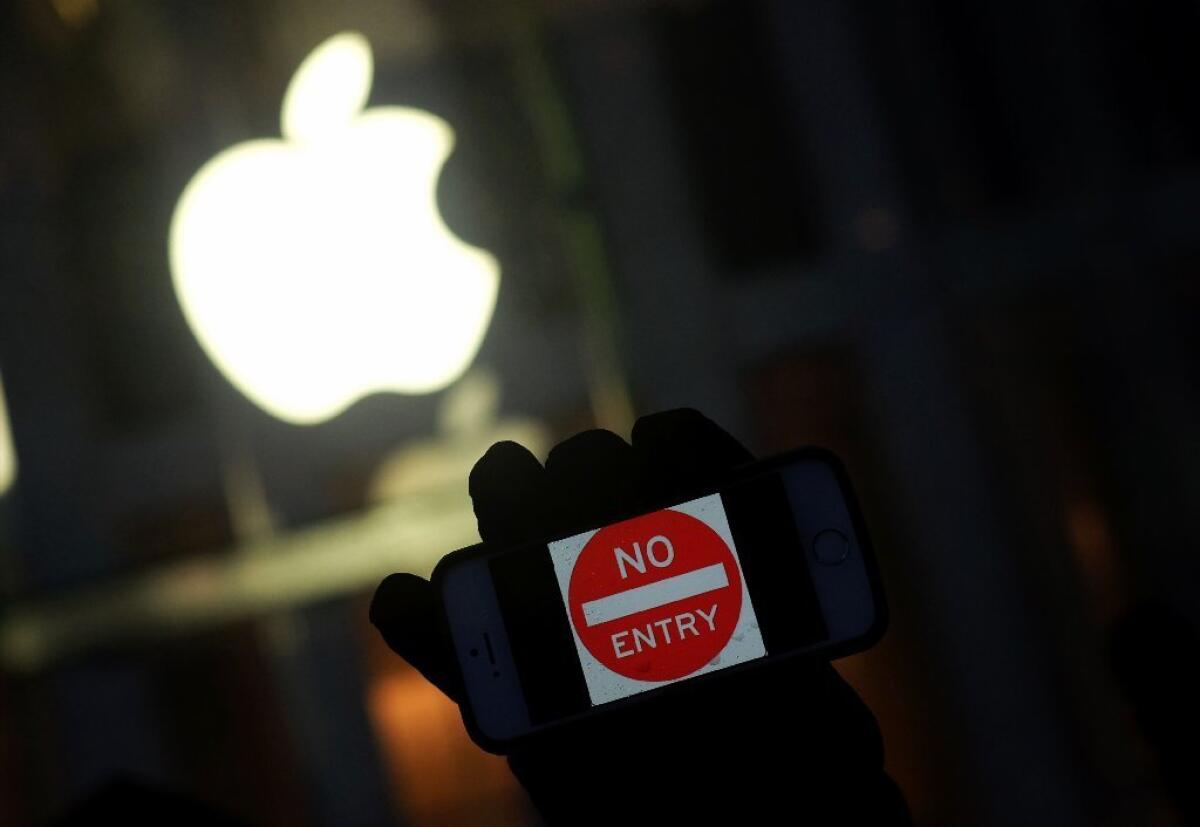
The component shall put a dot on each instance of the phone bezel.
(829, 650)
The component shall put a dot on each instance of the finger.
(510, 491)
(682, 449)
(405, 613)
(593, 476)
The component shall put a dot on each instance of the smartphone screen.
(700, 586)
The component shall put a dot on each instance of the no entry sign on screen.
(656, 599)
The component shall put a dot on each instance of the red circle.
(672, 640)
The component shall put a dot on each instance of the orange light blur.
(439, 776)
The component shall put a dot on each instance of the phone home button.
(830, 547)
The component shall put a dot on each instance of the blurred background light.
(273, 574)
(469, 421)
(8, 454)
(76, 13)
(317, 270)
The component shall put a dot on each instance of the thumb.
(405, 613)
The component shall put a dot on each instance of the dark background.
(955, 242)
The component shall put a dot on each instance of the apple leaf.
(330, 87)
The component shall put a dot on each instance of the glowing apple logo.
(316, 269)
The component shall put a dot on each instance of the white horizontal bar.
(656, 594)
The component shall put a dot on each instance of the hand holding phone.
(785, 738)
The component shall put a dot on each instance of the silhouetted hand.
(787, 742)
